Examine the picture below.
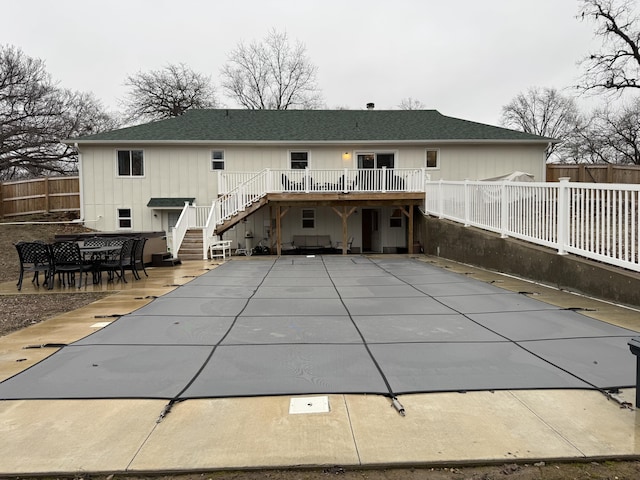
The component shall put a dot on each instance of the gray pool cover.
(333, 324)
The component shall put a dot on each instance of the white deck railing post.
(383, 182)
(563, 215)
(441, 199)
(504, 210)
(467, 205)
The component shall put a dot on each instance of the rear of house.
(356, 176)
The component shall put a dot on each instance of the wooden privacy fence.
(591, 173)
(41, 195)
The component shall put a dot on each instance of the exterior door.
(370, 230)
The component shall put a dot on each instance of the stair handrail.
(180, 230)
(231, 203)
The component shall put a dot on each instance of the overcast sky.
(465, 58)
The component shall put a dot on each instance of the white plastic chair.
(220, 249)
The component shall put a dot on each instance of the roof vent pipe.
(371, 106)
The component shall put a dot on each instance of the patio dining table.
(98, 254)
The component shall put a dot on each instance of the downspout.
(80, 183)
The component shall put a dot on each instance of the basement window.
(124, 218)
(308, 218)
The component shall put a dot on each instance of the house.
(351, 176)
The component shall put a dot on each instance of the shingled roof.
(340, 126)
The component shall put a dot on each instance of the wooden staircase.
(191, 247)
(255, 206)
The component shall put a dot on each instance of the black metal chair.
(35, 257)
(121, 261)
(138, 257)
(68, 261)
(95, 242)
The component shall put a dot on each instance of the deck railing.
(329, 180)
(600, 222)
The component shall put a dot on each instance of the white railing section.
(249, 191)
(333, 180)
(180, 229)
(239, 190)
(600, 222)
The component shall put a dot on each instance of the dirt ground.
(20, 311)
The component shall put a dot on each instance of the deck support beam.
(280, 213)
(344, 214)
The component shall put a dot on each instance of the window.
(130, 163)
(308, 218)
(217, 160)
(432, 159)
(124, 218)
(299, 160)
(395, 220)
(376, 160)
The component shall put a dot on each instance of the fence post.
(504, 213)
(467, 206)
(46, 195)
(440, 200)
(563, 215)
(1, 201)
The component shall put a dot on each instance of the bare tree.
(543, 112)
(35, 116)
(610, 137)
(271, 75)
(167, 93)
(617, 66)
(411, 104)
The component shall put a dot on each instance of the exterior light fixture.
(346, 156)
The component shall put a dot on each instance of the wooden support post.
(278, 232)
(409, 214)
(271, 235)
(1, 202)
(344, 214)
(410, 250)
(279, 214)
(46, 195)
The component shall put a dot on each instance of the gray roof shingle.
(224, 125)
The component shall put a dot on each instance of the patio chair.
(35, 257)
(121, 261)
(68, 261)
(138, 257)
(95, 242)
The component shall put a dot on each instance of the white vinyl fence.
(596, 221)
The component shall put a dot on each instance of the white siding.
(185, 171)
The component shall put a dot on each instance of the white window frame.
(426, 156)
(312, 218)
(375, 154)
(120, 218)
(299, 151)
(218, 160)
(130, 150)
